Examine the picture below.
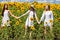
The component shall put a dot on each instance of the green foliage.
(17, 32)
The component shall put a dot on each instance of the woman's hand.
(17, 17)
(38, 22)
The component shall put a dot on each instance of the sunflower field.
(17, 29)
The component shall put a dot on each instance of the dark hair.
(49, 7)
(4, 9)
(32, 9)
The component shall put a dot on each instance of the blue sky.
(54, 1)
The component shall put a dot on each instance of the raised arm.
(12, 15)
(25, 13)
(42, 18)
(36, 17)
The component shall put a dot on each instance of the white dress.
(30, 19)
(5, 19)
(47, 16)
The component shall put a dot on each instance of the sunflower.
(17, 23)
(31, 18)
(32, 28)
(28, 6)
(52, 6)
(22, 9)
(51, 21)
(58, 7)
(46, 22)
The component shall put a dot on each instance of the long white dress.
(47, 17)
(5, 19)
(30, 19)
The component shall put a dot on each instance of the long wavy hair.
(4, 9)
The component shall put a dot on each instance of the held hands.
(39, 22)
(17, 17)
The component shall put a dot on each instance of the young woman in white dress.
(5, 16)
(47, 17)
(31, 16)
